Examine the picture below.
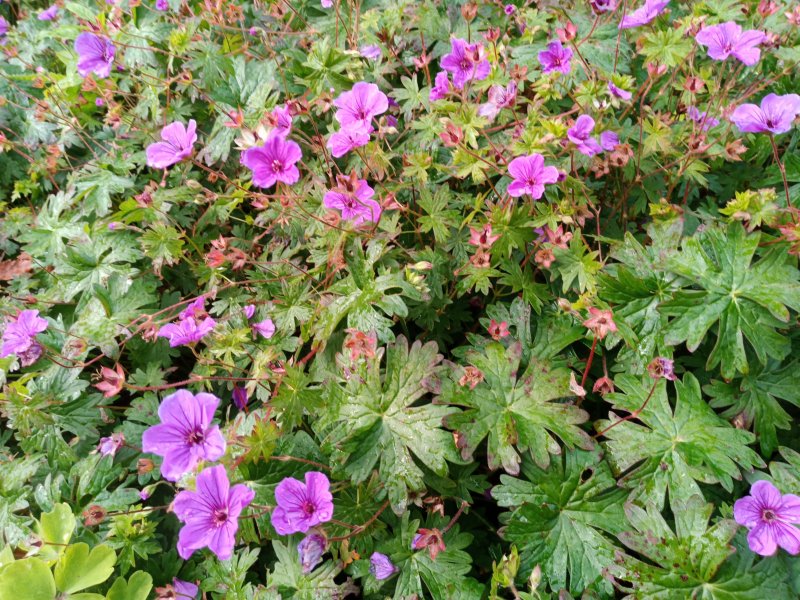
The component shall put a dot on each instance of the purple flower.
(273, 162)
(144, 495)
(499, 97)
(184, 589)
(282, 117)
(728, 39)
(311, 548)
(775, 114)
(603, 5)
(770, 517)
(211, 513)
(186, 331)
(347, 139)
(240, 397)
(441, 86)
(530, 175)
(326, 3)
(302, 506)
(48, 14)
(162, 5)
(618, 92)
(355, 201)
(372, 52)
(555, 58)
(99, 102)
(581, 135)
(3, 29)
(701, 118)
(644, 14)
(360, 105)
(265, 328)
(95, 54)
(176, 145)
(185, 435)
(110, 445)
(249, 311)
(466, 62)
(380, 566)
(19, 336)
(609, 140)
(195, 309)
(509, 9)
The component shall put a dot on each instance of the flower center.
(220, 517)
(196, 437)
(277, 166)
(769, 515)
(351, 202)
(465, 64)
(308, 508)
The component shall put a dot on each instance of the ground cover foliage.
(417, 299)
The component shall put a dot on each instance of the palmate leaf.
(561, 519)
(756, 396)
(516, 414)
(695, 561)
(377, 424)
(673, 450)
(745, 301)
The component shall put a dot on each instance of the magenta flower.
(775, 115)
(211, 513)
(644, 14)
(770, 517)
(701, 118)
(371, 52)
(441, 86)
(354, 198)
(20, 335)
(509, 9)
(360, 105)
(728, 39)
(302, 506)
(162, 5)
(185, 435)
(265, 328)
(619, 92)
(347, 139)
(3, 29)
(110, 445)
(249, 310)
(281, 116)
(311, 548)
(195, 309)
(186, 331)
(609, 140)
(603, 5)
(466, 62)
(381, 566)
(95, 54)
(326, 3)
(581, 135)
(499, 98)
(184, 589)
(273, 162)
(530, 175)
(48, 14)
(176, 145)
(555, 58)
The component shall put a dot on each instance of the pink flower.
(644, 14)
(49, 14)
(771, 518)
(196, 308)
(176, 145)
(581, 135)
(265, 328)
(609, 140)
(555, 58)
(249, 310)
(600, 322)
(326, 3)
(347, 139)
(530, 176)
(440, 88)
(603, 5)
(95, 54)
(482, 238)
(360, 105)
(110, 445)
(499, 98)
(186, 331)
(619, 92)
(466, 62)
(728, 39)
(301, 506)
(353, 197)
(273, 162)
(281, 121)
(775, 115)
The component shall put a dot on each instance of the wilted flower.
(144, 466)
(499, 97)
(20, 334)
(186, 331)
(775, 115)
(95, 54)
(441, 86)
(466, 62)
(431, 539)
(360, 344)
(609, 140)
(211, 513)
(662, 368)
(177, 590)
(311, 548)
(600, 322)
(265, 328)
(185, 435)
(273, 162)
(301, 506)
(618, 92)
(555, 58)
(360, 105)
(581, 135)
(353, 197)
(110, 445)
(603, 5)
(49, 14)
(603, 386)
(371, 52)
(771, 518)
(530, 176)
(644, 14)
(728, 39)
(381, 566)
(94, 515)
(177, 144)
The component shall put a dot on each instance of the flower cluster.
(355, 112)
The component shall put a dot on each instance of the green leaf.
(162, 244)
(78, 569)
(562, 517)
(745, 301)
(673, 450)
(579, 263)
(55, 530)
(376, 422)
(28, 578)
(136, 588)
(515, 412)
